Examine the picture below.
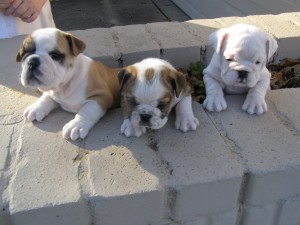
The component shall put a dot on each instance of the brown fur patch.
(165, 103)
(128, 81)
(175, 82)
(28, 46)
(69, 45)
(103, 85)
(149, 74)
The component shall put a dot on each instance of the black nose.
(33, 63)
(145, 118)
(243, 74)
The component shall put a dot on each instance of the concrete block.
(269, 151)
(288, 116)
(232, 20)
(177, 45)
(203, 169)
(265, 215)
(289, 213)
(44, 187)
(126, 176)
(99, 41)
(5, 140)
(201, 29)
(100, 45)
(134, 43)
(285, 30)
(227, 218)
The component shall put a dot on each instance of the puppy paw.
(129, 130)
(35, 112)
(215, 103)
(255, 105)
(75, 129)
(186, 122)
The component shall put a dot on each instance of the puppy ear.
(218, 39)
(27, 44)
(20, 55)
(174, 79)
(76, 45)
(271, 47)
(125, 74)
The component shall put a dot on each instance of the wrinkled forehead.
(49, 39)
(246, 47)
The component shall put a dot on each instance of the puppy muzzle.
(148, 116)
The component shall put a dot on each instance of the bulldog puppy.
(238, 66)
(52, 61)
(149, 90)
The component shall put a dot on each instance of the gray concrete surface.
(236, 169)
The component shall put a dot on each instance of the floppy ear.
(20, 55)
(271, 47)
(76, 45)
(123, 76)
(176, 80)
(218, 39)
(28, 44)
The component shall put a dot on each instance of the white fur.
(61, 86)
(245, 46)
(148, 94)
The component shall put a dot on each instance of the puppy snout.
(242, 74)
(145, 118)
(33, 63)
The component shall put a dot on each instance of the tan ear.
(20, 55)
(125, 74)
(176, 80)
(76, 45)
(27, 44)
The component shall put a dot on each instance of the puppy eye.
(229, 60)
(257, 62)
(161, 105)
(56, 56)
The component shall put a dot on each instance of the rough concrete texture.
(236, 169)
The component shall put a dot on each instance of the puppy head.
(47, 57)
(149, 90)
(245, 51)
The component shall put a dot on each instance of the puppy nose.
(145, 118)
(243, 74)
(33, 63)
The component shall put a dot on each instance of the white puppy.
(238, 66)
(149, 90)
(52, 61)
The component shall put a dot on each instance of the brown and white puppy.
(149, 90)
(52, 61)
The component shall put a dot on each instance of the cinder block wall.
(236, 169)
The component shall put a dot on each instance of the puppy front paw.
(129, 130)
(215, 103)
(186, 122)
(255, 105)
(35, 112)
(75, 129)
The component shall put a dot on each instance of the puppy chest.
(71, 103)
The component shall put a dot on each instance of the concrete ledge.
(236, 169)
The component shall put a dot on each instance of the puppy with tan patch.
(52, 61)
(149, 90)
